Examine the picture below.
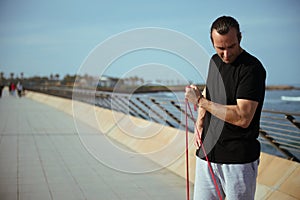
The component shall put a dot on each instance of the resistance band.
(187, 107)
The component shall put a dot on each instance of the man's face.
(227, 46)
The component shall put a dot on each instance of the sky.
(40, 37)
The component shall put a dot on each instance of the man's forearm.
(239, 115)
(200, 118)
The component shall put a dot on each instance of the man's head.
(226, 37)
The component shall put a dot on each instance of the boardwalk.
(42, 157)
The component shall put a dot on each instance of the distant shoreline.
(281, 87)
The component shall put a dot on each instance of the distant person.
(9, 88)
(19, 89)
(1, 89)
(12, 88)
(235, 155)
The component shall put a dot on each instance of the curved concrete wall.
(277, 178)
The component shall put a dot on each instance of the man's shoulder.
(216, 60)
(250, 59)
(251, 65)
(215, 57)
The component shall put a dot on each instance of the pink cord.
(205, 154)
(187, 153)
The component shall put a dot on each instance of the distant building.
(105, 81)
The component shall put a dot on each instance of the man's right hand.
(192, 94)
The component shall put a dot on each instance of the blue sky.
(42, 37)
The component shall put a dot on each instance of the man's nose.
(225, 53)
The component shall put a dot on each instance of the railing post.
(292, 120)
(167, 112)
(156, 113)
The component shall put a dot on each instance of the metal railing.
(279, 133)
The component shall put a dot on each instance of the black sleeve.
(252, 82)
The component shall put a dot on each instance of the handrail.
(280, 112)
(279, 131)
(292, 120)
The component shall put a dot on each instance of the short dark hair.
(223, 24)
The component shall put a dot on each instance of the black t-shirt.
(243, 79)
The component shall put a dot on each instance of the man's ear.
(239, 35)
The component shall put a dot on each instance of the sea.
(282, 100)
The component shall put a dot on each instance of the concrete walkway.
(42, 157)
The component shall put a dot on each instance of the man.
(1, 89)
(233, 97)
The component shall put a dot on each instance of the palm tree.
(57, 77)
(142, 81)
(12, 75)
(1, 75)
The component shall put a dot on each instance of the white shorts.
(235, 181)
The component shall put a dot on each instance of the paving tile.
(292, 184)
(32, 188)
(9, 181)
(8, 187)
(64, 187)
(32, 180)
(102, 196)
(37, 195)
(8, 196)
(67, 195)
(262, 192)
(277, 195)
